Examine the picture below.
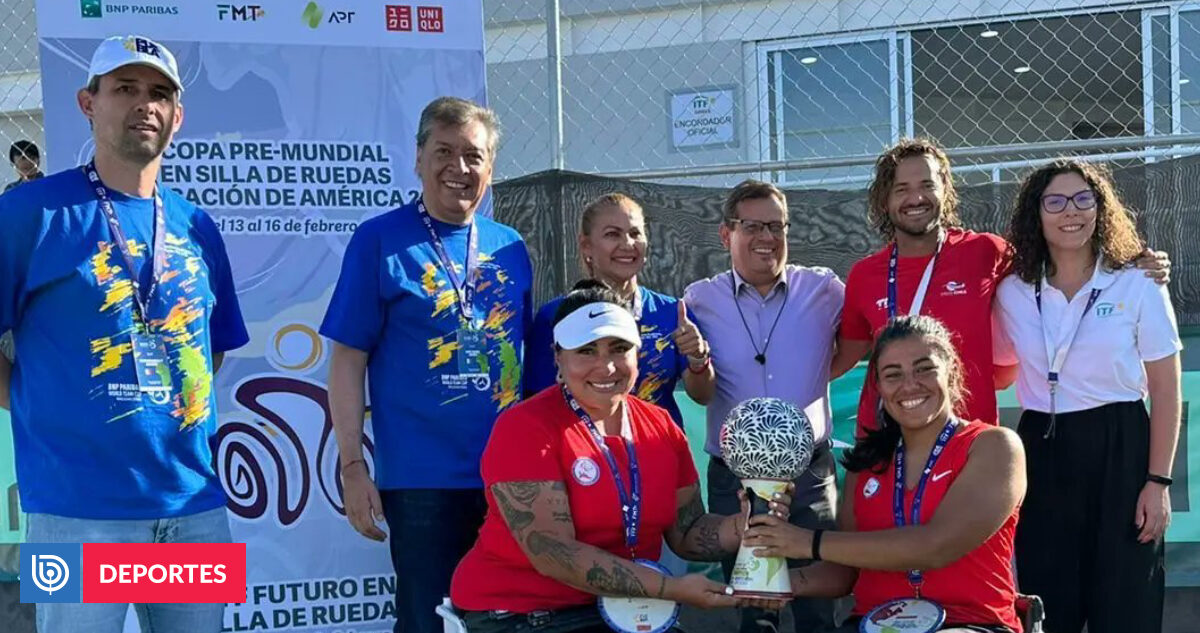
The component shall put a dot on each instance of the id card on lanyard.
(916, 614)
(149, 348)
(1056, 357)
(628, 615)
(631, 498)
(472, 341)
(915, 578)
(893, 306)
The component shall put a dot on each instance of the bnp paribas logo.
(91, 9)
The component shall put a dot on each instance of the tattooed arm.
(700, 536)
(538, 514)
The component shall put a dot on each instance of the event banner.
(300, 121)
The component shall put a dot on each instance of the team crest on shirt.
(954, 288)
(870, 488)
(585, 471)
(881, 304)
(1107, 309)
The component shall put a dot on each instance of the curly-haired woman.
(1094, 338)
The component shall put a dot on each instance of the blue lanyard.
(141, 300)
(1057, 358)
(631, 499)
(464, 290)
(893, 267)
(915, 578)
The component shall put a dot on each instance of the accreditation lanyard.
(915, 577)
(631, 499)
(141, 300)
(919, 299)
(464, 290)
(1057, 357)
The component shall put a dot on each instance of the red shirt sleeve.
(1001, 253)
(523, 446)
(854, 325)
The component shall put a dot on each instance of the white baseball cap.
(595, 321)
(123, 50)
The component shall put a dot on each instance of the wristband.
(1159, 479)
(702, 368)
(816, 544)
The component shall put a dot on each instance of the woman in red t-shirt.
(581, 480)
(945, 535)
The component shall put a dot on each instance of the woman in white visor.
(584, 483)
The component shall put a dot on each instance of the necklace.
(760, 356)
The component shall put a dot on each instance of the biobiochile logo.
(133, 572)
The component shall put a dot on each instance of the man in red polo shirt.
(939, 269)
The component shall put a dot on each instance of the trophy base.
(767, 595)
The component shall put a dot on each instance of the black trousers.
(813, 506)
(430, 531)
(1077, 542)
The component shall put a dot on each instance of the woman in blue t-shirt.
(612, 243)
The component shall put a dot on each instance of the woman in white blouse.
(1094, 338)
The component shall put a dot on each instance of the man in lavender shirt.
(771, 328)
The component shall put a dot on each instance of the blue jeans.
(430, 531)
(205, 527)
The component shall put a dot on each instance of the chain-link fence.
(20, 86)
(806, 92)
(801, 91)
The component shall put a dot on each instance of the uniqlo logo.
(399, 17)
(429, 20)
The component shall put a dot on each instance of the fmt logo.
(240, 13)
(50, 572)
(702, 104)
(91, 9)
(399, 17)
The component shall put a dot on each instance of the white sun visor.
(595, 321)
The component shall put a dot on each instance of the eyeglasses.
(754, 227)
(1057, 203)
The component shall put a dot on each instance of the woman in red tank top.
(945, 534)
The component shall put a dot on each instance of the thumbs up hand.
(688, 339)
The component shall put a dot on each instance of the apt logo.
(50, 572)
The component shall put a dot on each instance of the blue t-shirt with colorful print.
(431, 411)
(659, 362)
(88, 443)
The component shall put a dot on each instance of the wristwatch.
(1159, 479)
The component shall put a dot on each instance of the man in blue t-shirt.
(431, 306)
(121, 302)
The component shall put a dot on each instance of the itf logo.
(50, 572)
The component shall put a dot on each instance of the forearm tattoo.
(705, 540)
(517, 500)
(688, 514)
(551, 548)
(617, 581)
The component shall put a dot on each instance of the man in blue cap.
(121, 302)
